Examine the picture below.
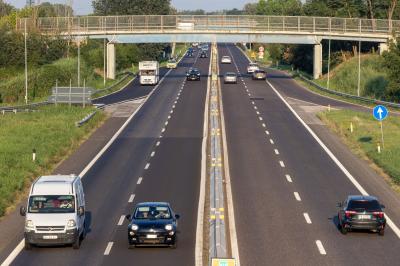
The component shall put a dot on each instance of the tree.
(131, 7)
(392, 64)
(5, 9)
(250, 9)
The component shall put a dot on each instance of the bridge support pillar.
(383, 47)
(317, 61)
(111, 61)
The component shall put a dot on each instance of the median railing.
(92, 25)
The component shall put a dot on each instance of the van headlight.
(71, 223)
(29, 224)
(168, 227)
(134, 227)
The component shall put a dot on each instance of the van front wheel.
(28, 246)
(77, 243)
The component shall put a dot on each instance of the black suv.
(193, 74)
(361, 212)
(152, 223)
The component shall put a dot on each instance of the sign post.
(380, 112)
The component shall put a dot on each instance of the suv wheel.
(343, 229)
(381, 232)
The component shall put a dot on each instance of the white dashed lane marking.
(258, 113)
(267, 132)
(163, 130)
(320, 247)
(307, 217)
(147, 166)
(152, 154)
(166, 123)
(121, 220)
(260, 118)
(281, 163)
(276, 151)
(271, 140)
(297, 196)
(289, 179)
(108, 248)
(131, 198)
(264, 125)
(158, 143)
(139, 180)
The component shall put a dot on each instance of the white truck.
(55, 212)
(149, 72)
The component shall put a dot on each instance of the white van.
(55, 212)
(149, 72)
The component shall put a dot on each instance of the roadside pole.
(26, 65)
(359, 69)
(380, 113)
(329, 63)
(79, 62)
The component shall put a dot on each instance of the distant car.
(259, 74)
(203, 54)
(172, 64)
(361, 212)
(152, 223)
(230, 77)
(252, 67)
(193, 74)
(195, 44)
(226, 59)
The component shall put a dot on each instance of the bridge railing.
(88, 25)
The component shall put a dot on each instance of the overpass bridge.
(217, 28)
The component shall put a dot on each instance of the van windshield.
(52, 204)
(147, 73)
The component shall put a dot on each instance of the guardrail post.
(283, 23)
(84, 93)
(162, 23)
(359, 25)
(55, 98)
(330, 25)
(345, 25)
(298, 24)
(313, 24)
(70, 91)
(268, 26)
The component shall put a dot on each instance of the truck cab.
(149, 72)
(55, 212)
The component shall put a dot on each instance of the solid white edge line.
(307, 217)
(389, 221)
(20, 245)
(231, 212)
(320, 247)
(297, 196)
(202, 195)
(108, 248)
(131, 198)
(121, 220)
(288, 178)
(139, 181)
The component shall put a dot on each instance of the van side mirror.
(177, 216)
(339, 205)
(383, 206)
(81, 211)
(128, 217)
(22, 211)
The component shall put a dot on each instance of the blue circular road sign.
(380, 112)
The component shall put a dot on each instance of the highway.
(157, 157)
(285, 184)
(291, 182)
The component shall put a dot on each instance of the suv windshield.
(368, 205)
(152, 212)
(52, 204)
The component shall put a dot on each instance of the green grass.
(366, 136)
(51, 131)
(344, 78)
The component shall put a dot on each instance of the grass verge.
(366, 136)
(51, 131)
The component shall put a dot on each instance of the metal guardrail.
(19, 108)
(364, 99)
(85, 119)
(92, 25)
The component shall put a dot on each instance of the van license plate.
(364, 216)
(151, 236)
(50, 237)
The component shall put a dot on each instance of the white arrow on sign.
(380, 111)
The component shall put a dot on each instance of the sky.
(83, 7)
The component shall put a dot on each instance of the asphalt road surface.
(156, 158)
(292, 184)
